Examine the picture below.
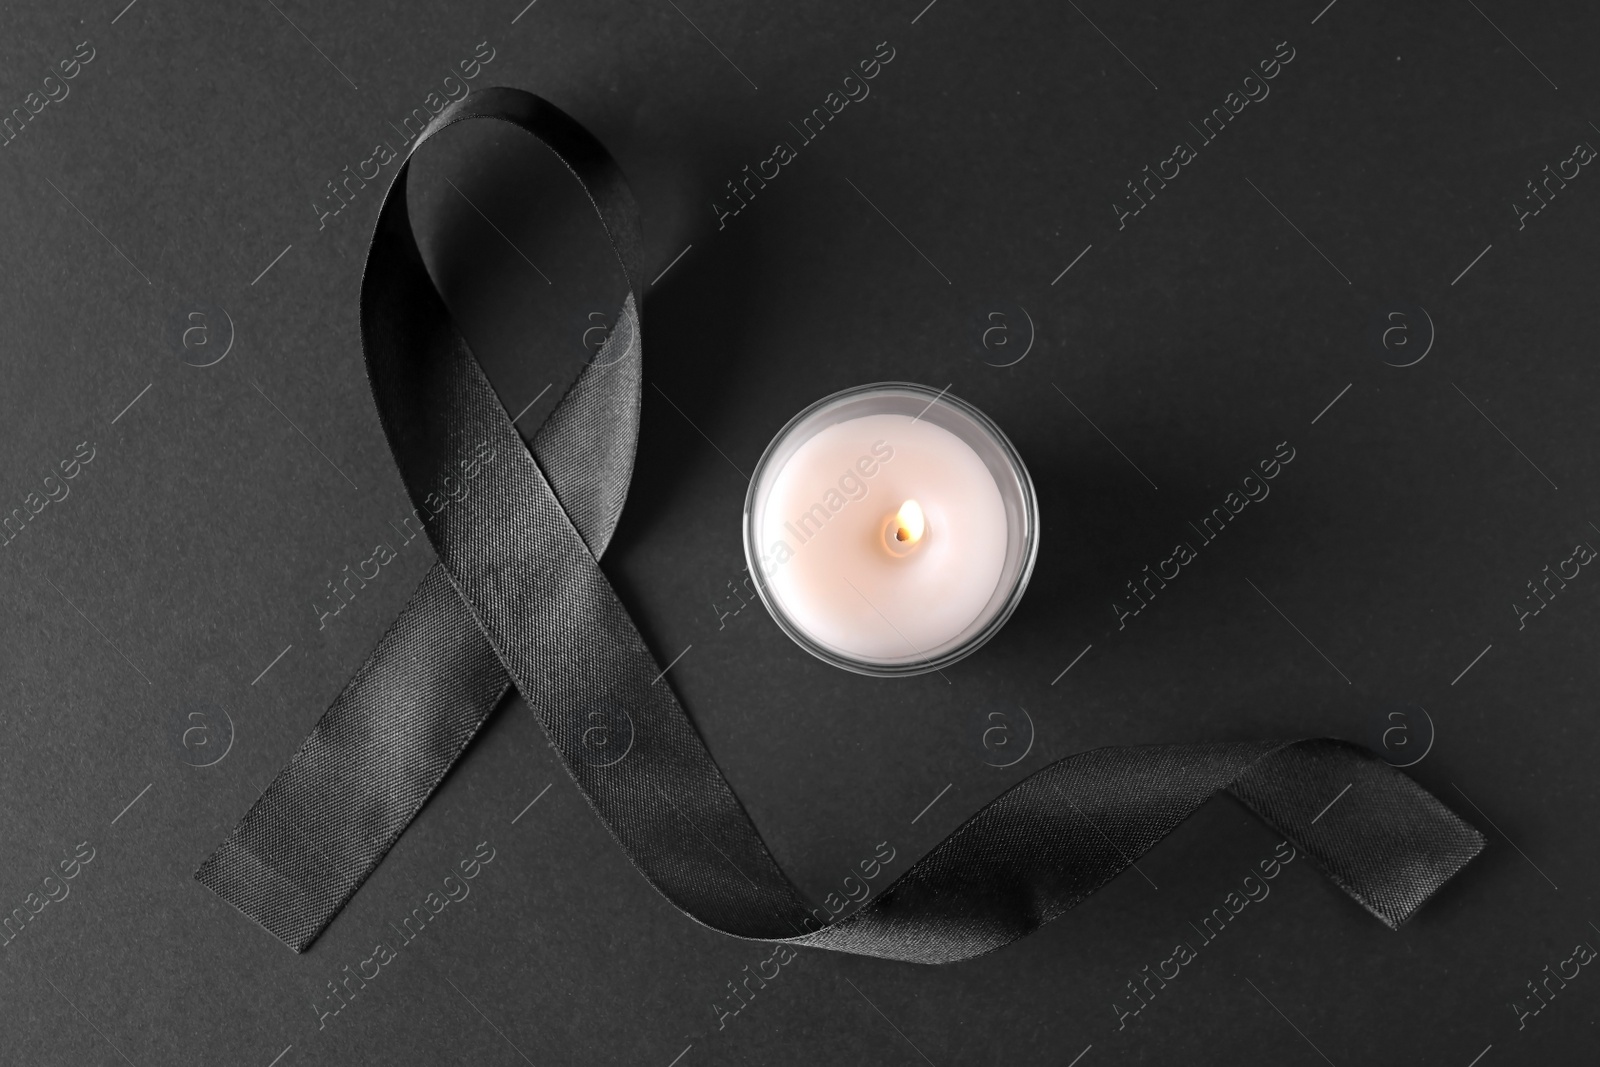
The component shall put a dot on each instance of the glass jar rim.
(1022, 545)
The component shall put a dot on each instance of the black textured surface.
(524, 572)
(199, 538)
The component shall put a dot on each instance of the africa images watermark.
(342, 191)
(56, 490)
(850, 487)
(856, 891)
(1211, 126)
(1582, 555)
(53, 89)
(854, 89)
(1254, 489)
(455, 490)
(1255, 889)
(53, 889)
(1551, 983)
(1582, 155)
(455, 888)
(781, 954)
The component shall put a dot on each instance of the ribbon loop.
(518, 598)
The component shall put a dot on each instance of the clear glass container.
(919, 404)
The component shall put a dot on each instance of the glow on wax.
(883, 537)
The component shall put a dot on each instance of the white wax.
(821, 537)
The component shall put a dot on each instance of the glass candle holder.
(891, 529)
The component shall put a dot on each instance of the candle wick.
(907, 525)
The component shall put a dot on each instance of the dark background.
(194, 546)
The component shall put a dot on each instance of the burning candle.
(891, 529)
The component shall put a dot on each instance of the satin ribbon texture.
(518, 598)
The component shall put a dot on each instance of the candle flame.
(909, 523)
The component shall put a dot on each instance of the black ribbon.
(517, 598)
